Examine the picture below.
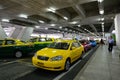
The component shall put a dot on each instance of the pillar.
(16, 32)
(3, 35)
(117, 29)
(25, 33)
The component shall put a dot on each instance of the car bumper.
(48, 65)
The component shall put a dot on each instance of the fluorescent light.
(100, 1)
(37, 26)
(60, 27)
(113, 31)
(101, 11)
(51, 9)
(65, 18)
(23, 16)
(46, 28)
(102, 19)
(52, 25)
(74, 22)
(41, 21)
(5, 20)
(102, 22)
(79, 25)
(66, 29)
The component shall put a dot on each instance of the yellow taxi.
(15, 47)
(40, 42)
(59, 55)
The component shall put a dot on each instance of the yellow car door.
(74, 52)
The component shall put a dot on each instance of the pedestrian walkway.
(103, 65)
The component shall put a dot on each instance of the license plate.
(40, 64)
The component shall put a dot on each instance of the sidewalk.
(103, 65)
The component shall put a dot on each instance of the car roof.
(67, 41)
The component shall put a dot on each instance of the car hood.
(51, 52)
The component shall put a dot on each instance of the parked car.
(58, 55)
(86, 44)
(40, 43)
(93, 43)
(14, 47)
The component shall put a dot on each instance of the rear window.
(33, 40)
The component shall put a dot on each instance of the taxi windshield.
(59, 45)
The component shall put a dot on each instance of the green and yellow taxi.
(14, 47)
(59, 55)
(41, 42)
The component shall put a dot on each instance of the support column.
(117, 29)
(25, 33)
(16, 32)
(3, 35)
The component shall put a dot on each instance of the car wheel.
(67, 65)
(18, 54)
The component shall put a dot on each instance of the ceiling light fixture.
(37, 27)
(51, 9)
(23, 16)
(66, 29)
(60, 27)
(102, 19)
(100, 1)
(5, 20)
(101, 11)
(74, 22)
(58, 31)
(65, 18)
(79, 25)
(102, 23)
(41, 21)
(52, 25)
(46, 28)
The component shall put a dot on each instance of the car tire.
(18, 54)
(67, 65)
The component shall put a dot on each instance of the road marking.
(6, 63)
(22, 74)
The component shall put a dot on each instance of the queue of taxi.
(50, 54)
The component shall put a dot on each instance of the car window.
(33, 40)
(9, 42)
(75, 44)
(42, 40)
(48, 39)
(59, 45)
(1, 42)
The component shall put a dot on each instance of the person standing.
(110, 44)
(102, 42)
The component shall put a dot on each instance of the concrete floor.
(103, 65)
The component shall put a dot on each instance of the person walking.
(102, 42)
(110, 44)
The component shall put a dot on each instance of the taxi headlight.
(56, 58)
